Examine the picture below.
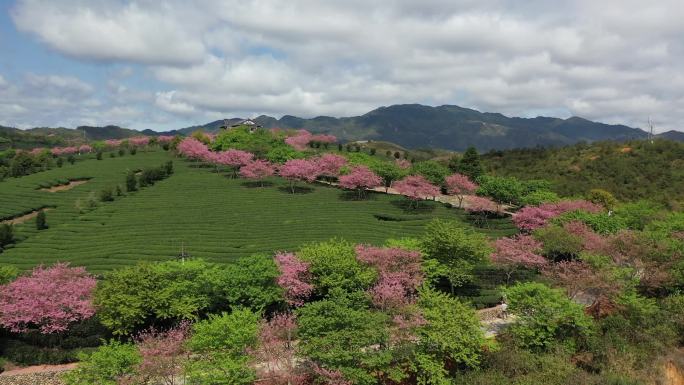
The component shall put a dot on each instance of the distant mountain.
(672, 135)
(451, 127)
(408, 125)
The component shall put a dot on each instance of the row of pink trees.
(530, 218)
(302, 138)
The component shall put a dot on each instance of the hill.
(451, 127)
(631, 170)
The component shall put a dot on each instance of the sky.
(170, 64)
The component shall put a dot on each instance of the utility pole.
(650, 130)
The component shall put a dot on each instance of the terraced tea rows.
(208, 215)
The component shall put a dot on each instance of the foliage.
(294, 278)
(360, 178)
(558, 243)
(602, 197)
(533, 217)
(460, 185)
(501, 189)
(299, 170)
(111, 362)
(338, 333)
(450, 338)
(521, 250)
(219, 345)
(280, 155)
(470, 164)
(6, 235)
(416, 187)
(131, 181)
(333, 265)
(456, 249)
(163, 355)
(8, 274)
(537, 198)
(50, 299)
(546, 316)
(258, 169)
(602, 223)
(41, 221)
(388, 171)
(434, 172)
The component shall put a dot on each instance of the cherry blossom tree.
(330, 164)
(460, 185)
(299, 169)
(294, 278)
(276, 352)
(163, 355)
(323, 138)
(57, 151)
(330, 377)
(360, 178)
(530, 218)
(520, 250)
(165, 138)
(234, 159)
(403, 164)
(192, 148)
(84, 149)
(139, 141)
(258, 169)
(50, 298)
(113, 143)
(416, 187)
(399, 274)
(299, 140)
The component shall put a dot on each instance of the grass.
(203, 212)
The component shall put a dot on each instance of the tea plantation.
(205, 213)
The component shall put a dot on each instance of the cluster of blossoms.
(294, 278)
(416, 187)
(113, 143)
(302, 138)
(139, 141)
(57, 151)
(165, 138)
(533, 217)
(50, 299)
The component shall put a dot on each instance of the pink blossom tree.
(530, 218)
(520, 250)
(113, 143)
(258, 170)
(192, 148)
(163, 354)
(84, 149)
(399, 275)
(50, 299)
(403, 164)
(330, 376)
(294, 278)
(165, 139)
(139, 141)
(416, 187)
(360, 178)
(299, 169)
(276, 352)
(299, 140)
(460, 185)
(330, 164)
(233, 159)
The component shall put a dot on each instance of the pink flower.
(139, 141)
(416, 187)
(330, 164)
(85, 149)
(360, 178)
(165, 138)
(258, 169)
(299, 140)
(192, 148)
(300, 169)
(50, 299)
(294, 278)
(533, 217)
(478, 204)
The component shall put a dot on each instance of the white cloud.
(610, 60)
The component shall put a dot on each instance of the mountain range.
(415, 126)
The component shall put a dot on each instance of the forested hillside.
(631, 170)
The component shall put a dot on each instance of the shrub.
(112, 155)
(602, 197)
(131, 182)
(108, 364)
(98, 155)
(6, 235)
(60, 162)
(106, 195)
(122, 152)
(8, 274)
(41, 222)
(558, 243)
(71, 159)
(133, 150)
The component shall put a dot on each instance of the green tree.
(60, 162)
(389, 172)
(110, 363)
(450, 338)
(432, 171)
(71, 159)
(470, 164)
(341, 333)
(333, 265)
(455, 248)
(22, 164)
(220, 347)
(501, 189)
(106, 195)
(98, 155)
(558, 243)
(546, 316)
(602, 197)
(41, 221)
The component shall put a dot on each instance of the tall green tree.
(470, 164)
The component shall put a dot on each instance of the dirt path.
(64, 187)
(23, 218)
(38, 369)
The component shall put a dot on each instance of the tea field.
(205, 213)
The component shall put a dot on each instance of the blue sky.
(143, 65)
